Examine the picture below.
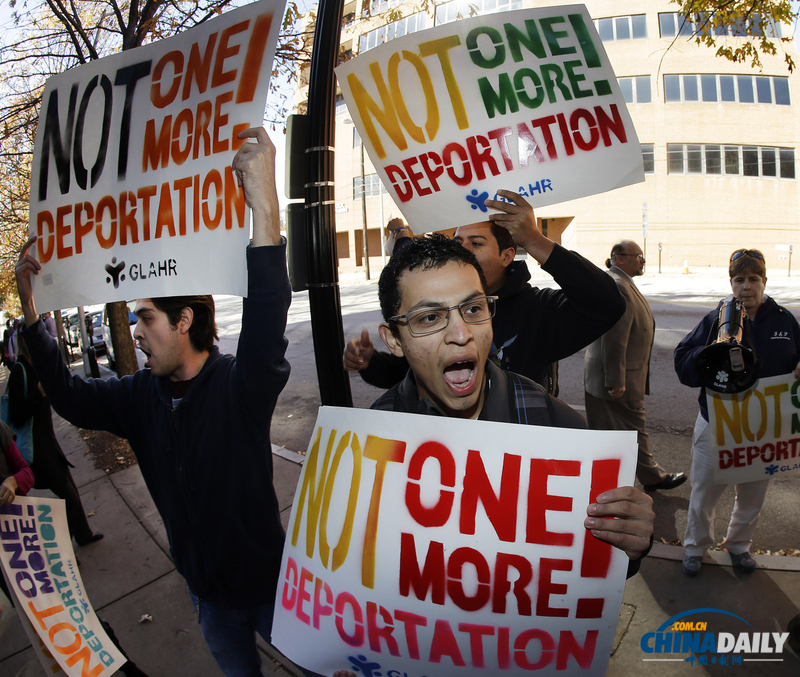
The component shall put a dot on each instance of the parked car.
(94, 329)
(132, 319)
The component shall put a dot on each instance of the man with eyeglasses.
(616, 369)
(534, 327)
(438, 316)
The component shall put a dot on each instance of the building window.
(380, 6)
(648, 158)
(373, 183)
(636, 89)
(672, 24)
(738, 160)
(397, 29)
(621, 28)
(341, 106)
(711, 88)
(356, 138)
(463, 9)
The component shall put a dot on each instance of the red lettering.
(45, 245)
(568, 646)
(289, 596)
(613, 124)
(725, 459)
(163, 100)
(521, 645)
(127, 219)
(539, 501)
(410, 622)
(502, 585)
(455, 589)
(433, 167)
(596, 559)
(544, 125)
(501, 509)
(212, 178)
(106, 203)
(447, 154)
(220, 120)
(575, 122)
(444, 644)
(476, 634)
(408, 164)
(225, 51)
(481, 156)
(83, 228)
(404, 190)
(62, 230)
(357, 638)
(376, 633)
(303, 595)
(438, 514)
(252, 60)
(198, 67)
(322, 608)
(548, 588)
(202, 119)
(430, 578)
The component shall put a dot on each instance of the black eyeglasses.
(424, 321)
(750, 252)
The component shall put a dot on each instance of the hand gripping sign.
(756, 434)
(525, 101)
(132, 194)
(42, 574)
(426, 546)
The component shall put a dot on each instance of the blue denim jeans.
(231, 636)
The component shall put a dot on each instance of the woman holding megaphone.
(747, 331)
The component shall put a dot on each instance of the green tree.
(751, 24)
(52, 36)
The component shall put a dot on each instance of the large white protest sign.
(132, 194)
(525, 101)
(756, 433)
(420, 546)
(43, 577)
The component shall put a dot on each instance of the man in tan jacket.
(616, 369)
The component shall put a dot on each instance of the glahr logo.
(139, 271)
(705, 647)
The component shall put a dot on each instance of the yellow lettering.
(340, 551)
(775, 391)
(386, 116)
(439, 48)
(382, 451)
(732, 419)
(762, 428)
(432, 121)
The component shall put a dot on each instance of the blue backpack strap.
(531, 402)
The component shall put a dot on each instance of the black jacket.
(535, 327)
(208, 461)
(774, 335)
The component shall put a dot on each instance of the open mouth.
(460, 377)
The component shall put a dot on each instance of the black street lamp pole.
(323, 278)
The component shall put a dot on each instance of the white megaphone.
(725, 365)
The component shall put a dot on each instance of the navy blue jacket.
(535, 327)
(774, 335)
(208, 462)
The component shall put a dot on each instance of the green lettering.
(553, 36)
(496, 101)
(522, 94)
(475, 52)
(531, 41)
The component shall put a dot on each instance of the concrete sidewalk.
(133, 583)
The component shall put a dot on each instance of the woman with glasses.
(774, 335)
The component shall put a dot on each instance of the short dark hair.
(431, 251)
(503, 237)
(203, 331)
(748, 263)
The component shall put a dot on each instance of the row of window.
(737, 88)
(710, 88)
(397, 29)
(621, 27)
(683, 158)
(373, 186)
(717, 160)
(672, 24)
(448, 12)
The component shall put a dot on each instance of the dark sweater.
(535, 327)
(208, 462)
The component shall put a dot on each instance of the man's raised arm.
(254, 167)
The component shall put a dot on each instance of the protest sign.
(525, 101)
(132, 194)
(756, 434)
(420, 545)
(42, 575)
